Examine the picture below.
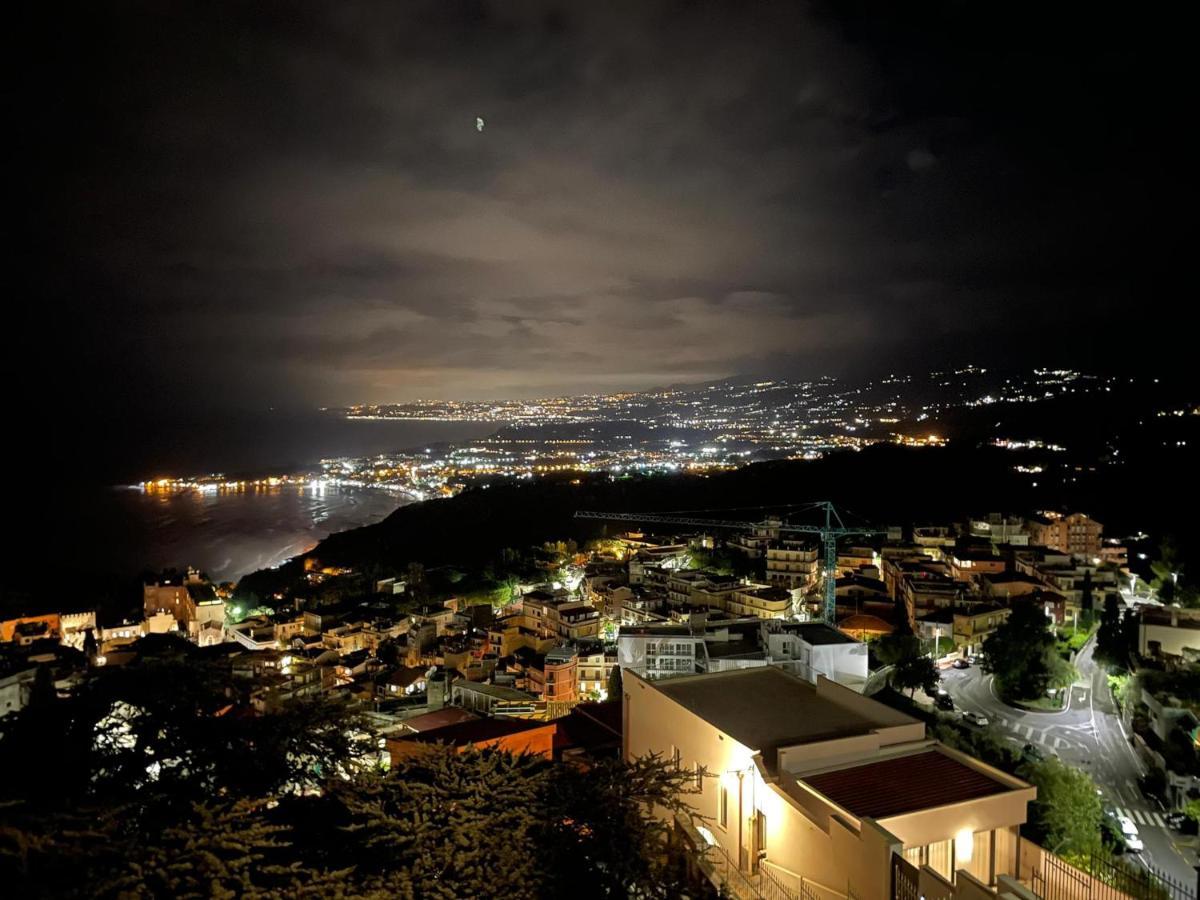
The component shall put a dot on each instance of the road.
(1087, 735)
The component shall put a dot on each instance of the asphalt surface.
(1089, 736)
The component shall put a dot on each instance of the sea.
(104, 524)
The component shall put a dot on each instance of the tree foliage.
(1066, 816)
(1022, 654)
(1117, 636)
(442, 825)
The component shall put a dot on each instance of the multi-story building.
(793, 564)
(809, 649)
(1007, 585)
(998, 529)
(1075, 533)
(857, 560)
(934, 539)
(809, 788)
(557, 615)
(594, 669)
(969, 564)
(561, 675)
(761, 601)
(669, 650)
(701, 587)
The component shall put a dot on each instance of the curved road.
(1089, 736)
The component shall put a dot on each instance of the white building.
(813, 790)
(811, 649)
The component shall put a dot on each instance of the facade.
(665, 651)
(1076, 534)
(809, 649)
(763, 602)
(1169, 632)
(1000, 529)
(819, 789)
(793, 564)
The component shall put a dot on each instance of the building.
(934, 539)
(1007, 585)
(664, 651)
(561, 668)
(809, 649)
(793, 564)
(760, 601)
(487, 699)
(824, 792)
(1075, 534)
(998, 529)
(968, 626)
(1169, 632)
(971, 564)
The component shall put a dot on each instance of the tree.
(1112, 644)
(441, 825)
(1066, 816)
(615, 687)
(911, 669)
(914, 672)
(1022, 654)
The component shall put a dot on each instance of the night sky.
(229, 206)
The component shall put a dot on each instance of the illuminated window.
(723, 807)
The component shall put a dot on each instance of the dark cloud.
(290, 203)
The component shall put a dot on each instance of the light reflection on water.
(230, 533)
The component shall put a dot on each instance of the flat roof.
(818, 633)
(766, 708)
(904, 784)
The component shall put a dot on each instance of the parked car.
(1127, 827)
(1032, 754)
(961, 663)
(1182, 823)
(974, 718)
(1133, 843)
(942, 700)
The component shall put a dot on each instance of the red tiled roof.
(904, 784)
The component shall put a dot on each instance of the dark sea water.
(98, 524)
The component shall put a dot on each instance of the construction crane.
(829, 533)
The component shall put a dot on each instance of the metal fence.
(1144, 883)
(906, 880)
(1107, 879)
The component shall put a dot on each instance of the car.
(943, 701)
(974, 718)
(1182, 823)
(1127, 827)
(961, 663)
(1032, 753)
(1134, 844)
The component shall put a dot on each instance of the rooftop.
(471, 732)
(765, 708)
(904, 784)
(819, 633)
